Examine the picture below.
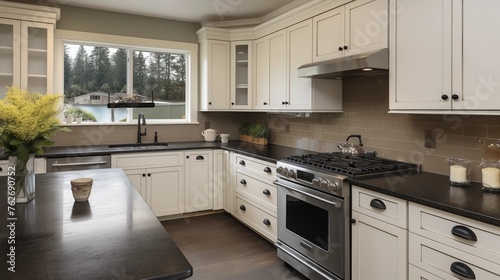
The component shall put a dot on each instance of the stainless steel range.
(314, 209)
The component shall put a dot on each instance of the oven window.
(308, 221)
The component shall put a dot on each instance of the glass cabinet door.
(9, 54)
(241, 56)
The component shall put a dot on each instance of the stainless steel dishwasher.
(78, 163)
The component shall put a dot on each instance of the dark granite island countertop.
(112, 236)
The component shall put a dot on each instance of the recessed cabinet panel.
(328, 34)
(277, 70)
(299, 42)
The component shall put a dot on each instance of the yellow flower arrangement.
(27, 121)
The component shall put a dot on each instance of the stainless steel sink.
(140, 146)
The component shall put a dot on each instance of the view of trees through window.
(92, 73)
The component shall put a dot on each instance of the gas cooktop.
(350, 165)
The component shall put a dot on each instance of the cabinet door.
(215, 75)
(420, 56)
(138, 178)
(10, 54)
(277, 70)
(477, 81)
(367, 23)
(378, 250)
(165, 193)
(220, 176)
(199, 183)
(241, 74)
(328, 35)
(37, 62)
(261, 74)
(299, 50)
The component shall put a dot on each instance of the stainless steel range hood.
(366, 64)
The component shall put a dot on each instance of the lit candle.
(491, 177)
(458, 174)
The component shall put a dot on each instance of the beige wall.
(396, 136)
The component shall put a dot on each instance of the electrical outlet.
(429, 139)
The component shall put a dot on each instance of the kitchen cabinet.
(214, 75)
(26, 47)
(447, 246)
(221, 180)
(241, 74)
(357, 27)
(277, 86)
(254, 194)
(446, 60)
(199, 183)
(378, 236)
(159, 178)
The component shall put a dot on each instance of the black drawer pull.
(464, 232)
(143, 175)
(463, 270)
(267, 170)
(1, 169)
(242, 162)
(243, 182)
(377, 203)
(243, 208)
(266, 192)
(200, 158)
(267, 222)
(149, 174)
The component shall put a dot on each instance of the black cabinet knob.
(149, 174)
(444, 97)
(345, 47)
(266, 192)
(1, 169)
(209, 103)
(266, 222)
(282, 102)
(243, 208)
(341, 49)
(454, 96)
(143, 175)
(243, 182)
(353, 221)
(267, 170)
(265, 103)
(242, 162)
(187, 157)
(232, 103)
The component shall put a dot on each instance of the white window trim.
(191, 50)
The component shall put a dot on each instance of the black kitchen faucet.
(139, 131)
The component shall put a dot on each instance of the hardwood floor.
(219, 247)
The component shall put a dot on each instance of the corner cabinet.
(26, 47)
(379, 236)
(357, 27)
(159, 178)
(446, 61)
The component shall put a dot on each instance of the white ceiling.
(190, 10)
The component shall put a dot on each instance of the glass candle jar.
(459, 172)
(490, 176)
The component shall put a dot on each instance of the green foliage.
(255, 130)
(79, 112)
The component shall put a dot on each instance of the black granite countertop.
(114, 235)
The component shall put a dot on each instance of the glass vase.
(21, 172)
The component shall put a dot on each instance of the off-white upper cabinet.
(357, 27)
(443, 56)
(277, 85)
(241, 74)
(26, 47)
(215, 75)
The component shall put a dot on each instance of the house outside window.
(97, 72)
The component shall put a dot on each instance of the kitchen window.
(94, 69)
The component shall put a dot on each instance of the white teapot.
(210, 134)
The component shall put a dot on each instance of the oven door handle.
(337, 204)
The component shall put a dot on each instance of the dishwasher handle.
(80, 163)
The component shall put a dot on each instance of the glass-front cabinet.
(241, 57)
(26, 48)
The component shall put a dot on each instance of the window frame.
(62, 37)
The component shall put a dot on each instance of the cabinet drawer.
(439, 259)
(415, 273)
(256, 218)
(4, 164)
(262, 192)
(264, 169)
(386, 208)
(199, 156)
(136, 160)
(439, 225)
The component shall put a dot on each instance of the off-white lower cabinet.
(253, 198)
(220, 179)
(379, 236)
(448, 246)
(159, 177)
(198, 183)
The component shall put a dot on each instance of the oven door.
(313, 224)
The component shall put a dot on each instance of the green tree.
(80, 77)
(119, 70)
(140, 72)
(99, 67)
(68, 72)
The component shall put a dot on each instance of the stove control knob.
(291, 173)
(316, 181)
(324, 184)
(285, 172)
(332, 186)
(279, 170)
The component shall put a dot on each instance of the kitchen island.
(114, 235)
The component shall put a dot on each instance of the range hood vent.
(366, 64)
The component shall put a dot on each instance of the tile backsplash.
(394, 136)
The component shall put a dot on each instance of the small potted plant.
(78, 117)
(68, 117)
(254, 133)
